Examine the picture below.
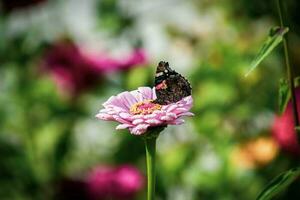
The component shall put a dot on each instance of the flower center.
(144, 107)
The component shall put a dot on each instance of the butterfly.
(170, 86)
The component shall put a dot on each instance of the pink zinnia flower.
(135, 110)
(283, 128)
(120, 183)
(75, 71)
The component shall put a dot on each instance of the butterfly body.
(170, 86)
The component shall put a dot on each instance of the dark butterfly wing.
(170, 86)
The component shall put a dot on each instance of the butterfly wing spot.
(159, 74)
(162, 85)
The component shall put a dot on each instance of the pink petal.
(104, 116)
(116, 109)
(111, 112)
(103, 110)
(125, 115)
(188, 100)
(153, 121)
(137, 121)
(171, 115)
(111, 101)
(176, 122)
(146, 92)
(121, 120)
(154, 93)
(166, 118)
(137, 95)
(157, 112)
(127, 98)
(180, 110)
(123, 126)
(114, 101)
(171, 107)
(189, 114)
(150, 116)
(139, 129)
(137, 116)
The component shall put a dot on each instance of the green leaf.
(275, 37)
(284, 94)
(279, 184)
(297, 81)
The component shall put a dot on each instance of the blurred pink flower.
(106, 182)
(10, 5)
(135, 110)
(75, 71)
(108, 64)
(283, 128)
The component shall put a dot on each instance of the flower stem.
(290, 70)
(150, 144)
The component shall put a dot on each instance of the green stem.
(290, 70)
(150, 144)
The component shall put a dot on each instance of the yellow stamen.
(144, 107)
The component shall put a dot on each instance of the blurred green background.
(60, 60)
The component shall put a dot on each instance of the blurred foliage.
(279, 184)
(47, 137)
(274, 39)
